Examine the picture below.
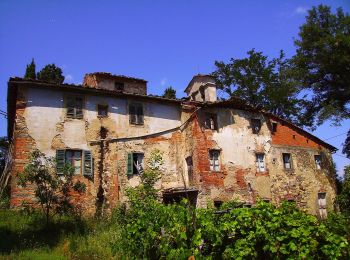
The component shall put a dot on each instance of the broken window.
(135, 163)
(211, 121)
(260, 162)
(102, 110)
(81, 161)
(322, 204)
(214, 156)
(274, 127)
(118, 86)
(136, 114)
(287, 161)
(75, 107)
(318, 162)
(189, 162)
(256, 125)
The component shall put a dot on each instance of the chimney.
(202, 88)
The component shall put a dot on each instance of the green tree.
(169, 93)
(30, 71)
(322, 60)
(262, 83)
(52, 190)
(51, 73)
(343, 197)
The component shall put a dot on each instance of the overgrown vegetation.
(146, 228)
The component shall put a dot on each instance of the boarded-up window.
(211, 121)
(214, 156)
(102, 110)
(287, 161)
(135, 163)
(256, 125)
(136, 114)
(322, 204)
(75, 107)
(260, 162)
(318, 162)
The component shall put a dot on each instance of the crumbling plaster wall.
(44, 120)
(237, 178)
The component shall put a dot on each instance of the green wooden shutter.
(130, 164)
(88, 164)
(60, 160)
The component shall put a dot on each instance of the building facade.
(213, 151)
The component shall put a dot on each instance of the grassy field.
(26, 236)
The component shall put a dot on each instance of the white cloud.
(300, 10)
(68, 78)
(163, 81)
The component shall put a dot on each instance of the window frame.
(260, 168)
(136, 118)
(214, 163)
(78, 113)
(253, 122)
(100, 107)
(290, 161)
(208, 124)
(318, 165)
(133, 170)
(119, 86)
(86, 161)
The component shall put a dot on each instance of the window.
(189, 162)
(260, 163)
(287, 161)
(256, 125)
(118, 86)
(214, 156)
(136, 114)
(135, 163)
(322, 204)
(102, 110)
(211, 121)
(81, 160)
(75, 107)
(217, 204)
(274, 127)
(318, 162)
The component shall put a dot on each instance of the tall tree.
(261, 82)
(51, 73)
(323, 60)
(4, 144)
(30, 71)
(169, 93)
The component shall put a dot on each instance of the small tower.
(202, 88)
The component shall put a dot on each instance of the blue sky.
(164, 42)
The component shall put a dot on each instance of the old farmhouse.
(213, 150)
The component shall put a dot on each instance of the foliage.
(322, 59)
(261, 83)
(30, 71)
(169, 93)
(153, 230)
(346, 145)
(52, 191)
(4, 144)
(51, 73)
(343, 198)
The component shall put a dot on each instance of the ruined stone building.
(213, 150)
